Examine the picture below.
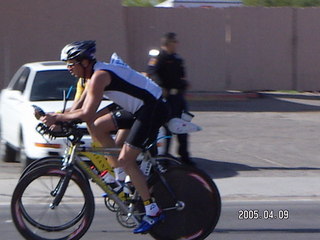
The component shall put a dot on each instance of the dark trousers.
(178, 105)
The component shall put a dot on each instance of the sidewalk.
(231, 189)
(269, 188)
(221, 96)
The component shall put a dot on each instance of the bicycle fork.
(63, 183)
(60, 189)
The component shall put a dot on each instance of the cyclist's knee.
(128, 156)
(126, 163)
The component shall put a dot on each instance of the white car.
(43, 84)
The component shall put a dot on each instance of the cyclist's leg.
(127, 160)
(145, 129)
(121, 136)
(101, 129)
(123, 121)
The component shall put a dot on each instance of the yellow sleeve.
(80, 89)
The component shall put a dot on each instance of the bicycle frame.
(71, 159)
(97, 155)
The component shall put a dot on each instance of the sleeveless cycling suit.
(138, 95)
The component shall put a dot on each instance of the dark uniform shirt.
(168, 70)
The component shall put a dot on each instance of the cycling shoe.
(148, 222)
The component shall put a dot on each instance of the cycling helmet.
(79, 50)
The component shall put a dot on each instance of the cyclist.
(136, 94)
(123, 121)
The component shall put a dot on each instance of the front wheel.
(33, 214)
(197, 202)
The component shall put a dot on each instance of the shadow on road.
(265, 103)
(216, 169)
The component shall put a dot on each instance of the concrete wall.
(233, 48)
(224, 49)
(308, 49)
(201, 35)
(36, 30)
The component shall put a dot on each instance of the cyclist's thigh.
(122, 119)
(105, 123)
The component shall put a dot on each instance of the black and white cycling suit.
(139, 96)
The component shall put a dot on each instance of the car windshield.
(50, 85)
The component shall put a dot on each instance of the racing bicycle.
(53, 198)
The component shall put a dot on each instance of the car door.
(12, 100)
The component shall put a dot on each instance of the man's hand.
(49, 119)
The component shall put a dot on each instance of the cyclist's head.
(79, 50)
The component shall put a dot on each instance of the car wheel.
(9, 153)
(22, 156)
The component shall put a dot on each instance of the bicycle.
(53, 198)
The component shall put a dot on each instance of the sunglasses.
(72, 64)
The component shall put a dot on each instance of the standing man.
(168, 71)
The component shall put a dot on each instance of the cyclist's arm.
(94, 94)
(79, 96)
(78, 102)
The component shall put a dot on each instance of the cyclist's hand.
(49, 119)
(38, 112)
(55, 128)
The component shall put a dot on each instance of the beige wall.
(308, 49)
(35, 30)
(224, 49)
(233, 48)
(201, 34)
(260, 49)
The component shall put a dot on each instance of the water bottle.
(161, 144)
(107, 177)
(128, 187)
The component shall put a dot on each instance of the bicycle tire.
(40, 162)
(43, 227)
(36, 224)
(57, 162)
(168, 161)
(200, 209)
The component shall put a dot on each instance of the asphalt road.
(302, 222)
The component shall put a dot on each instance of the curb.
(269, 188)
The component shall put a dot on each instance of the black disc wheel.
(196, 202)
